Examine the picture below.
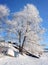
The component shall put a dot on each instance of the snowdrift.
(24, 60)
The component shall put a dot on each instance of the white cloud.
(4, 11)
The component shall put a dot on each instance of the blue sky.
(42, 6)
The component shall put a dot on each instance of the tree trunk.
(20, 47)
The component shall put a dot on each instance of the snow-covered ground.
(23, 60)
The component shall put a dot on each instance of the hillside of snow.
(23, 60)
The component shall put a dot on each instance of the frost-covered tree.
(25, 24)
(4, 12)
